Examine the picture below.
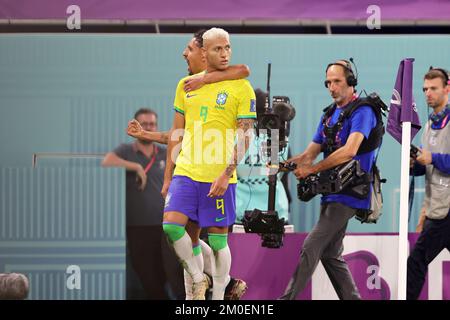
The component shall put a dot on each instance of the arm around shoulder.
(239, 71)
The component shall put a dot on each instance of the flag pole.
(403, 217)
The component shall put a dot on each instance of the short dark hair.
(144, 111)
(198, 36)
(434, 73)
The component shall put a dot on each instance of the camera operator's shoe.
(235, 289)
(199, 289)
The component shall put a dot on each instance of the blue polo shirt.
(362, 120)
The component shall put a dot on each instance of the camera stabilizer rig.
(274, 121)
(348, 177)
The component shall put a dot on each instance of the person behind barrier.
(341, 141)
(196, 66)
(13, 286)
(150, 263)
(433, 161)
(203, 189)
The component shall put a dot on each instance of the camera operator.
(340, 140)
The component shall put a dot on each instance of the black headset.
(443, 71)
(351, 80)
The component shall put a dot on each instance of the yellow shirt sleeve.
(247, 102)
(178, 103)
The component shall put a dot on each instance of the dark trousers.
(434, 237)
(153, 270)
(324, 243)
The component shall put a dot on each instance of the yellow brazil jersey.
(211, 115)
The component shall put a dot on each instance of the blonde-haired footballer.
(204, 190)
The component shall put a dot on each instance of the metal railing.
(65, 155)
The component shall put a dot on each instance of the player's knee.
(173, 231)
(218, 241)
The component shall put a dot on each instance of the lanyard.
(150, 164)
(444, 122)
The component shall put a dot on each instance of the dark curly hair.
(199, 37)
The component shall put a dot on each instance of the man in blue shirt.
(324, 242)
(433, 161)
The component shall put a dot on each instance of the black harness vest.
(368, 144)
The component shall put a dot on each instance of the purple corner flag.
(403, 108)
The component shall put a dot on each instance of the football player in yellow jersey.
(202, 188)
(197, 65)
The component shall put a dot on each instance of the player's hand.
(141, 177)
(424, 157)
(219, 186)
(194, 83)
(303, 171)
(165, 188)
(134, 129)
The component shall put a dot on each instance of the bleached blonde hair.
(215, 33)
